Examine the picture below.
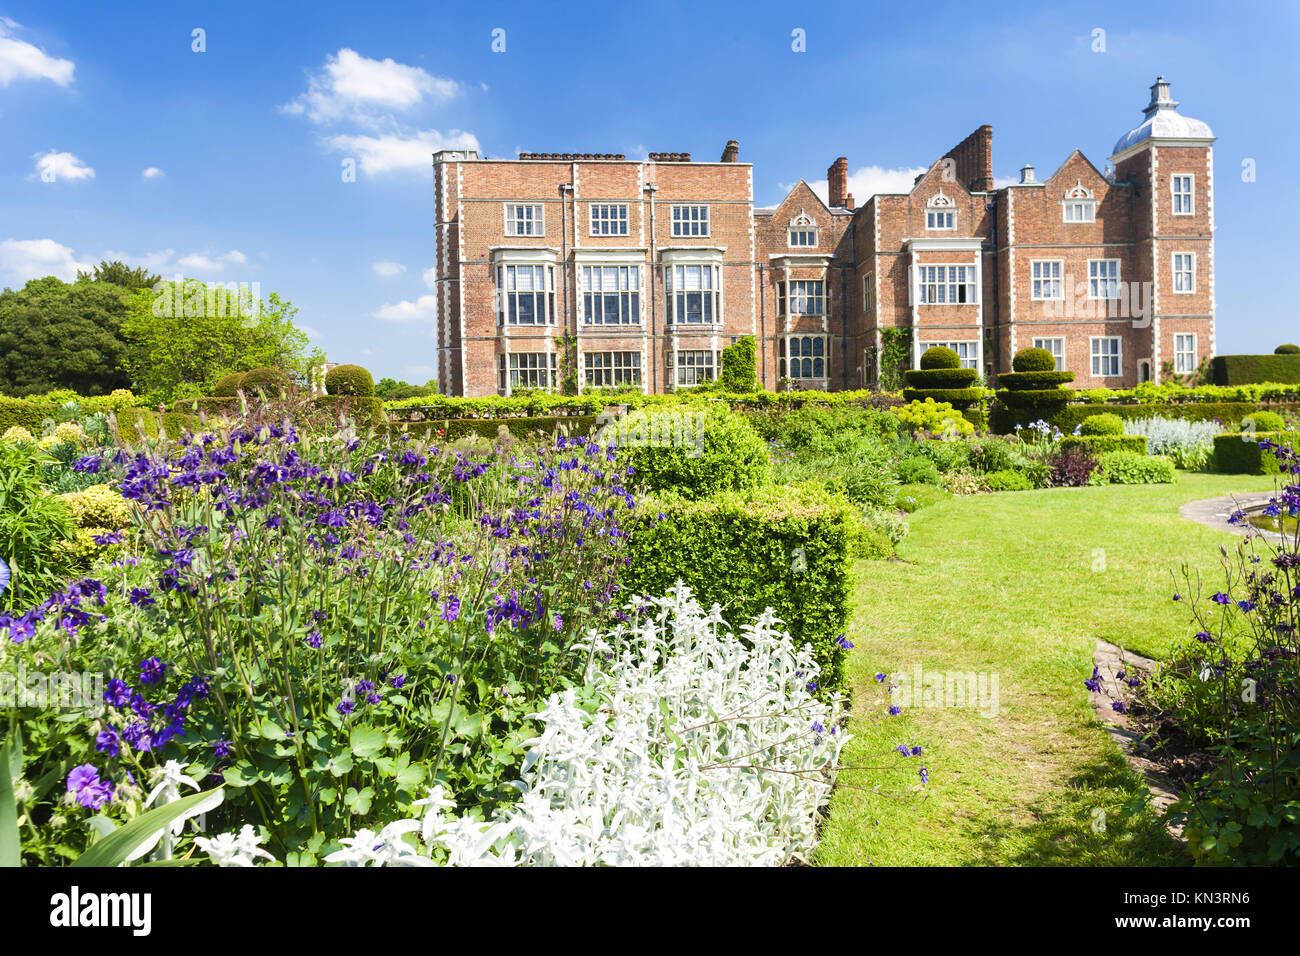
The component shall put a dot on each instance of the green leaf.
(358, 801)
(11, 767)
(367, 742)
(122, 842)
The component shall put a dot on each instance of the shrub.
(787, 548)
(960, 378)
(349, 380)
(98, 506)
(32, 524)
(959, 398)
(912, 498)
(991, 455)
(1287, 350)
(934, 417)
(26, 414)
(19, 435)
(940, 356)
(1187, 442)
(1131, 468)
(364, 411)
(1034, 360)
(739, 373)
(1240, 453)
(917, 470)
(1007, 480)
(1034, 381)
(1042, 402)
(270, 381)
(694, 453)
(1071, 468)
(1263, 422)
(1103, 424)
(228, 385)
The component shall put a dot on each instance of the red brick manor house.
(647, 269)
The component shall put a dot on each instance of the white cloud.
(1001, 181)
(205, 262)
(389, 152)
(53, 166)
(867, 181)
(20, 60)
(312, 333)
(388, 269)
(23, 259)
(425, 308)
(153, 172)
(430, 277)
(351, 86)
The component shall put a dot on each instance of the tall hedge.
(693, 452)
(29, 415)
(786, 548)
(739, 371)
(1007, 420)
(1248, 369)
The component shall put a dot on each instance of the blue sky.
(246, 139)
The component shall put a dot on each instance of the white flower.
(226, 849)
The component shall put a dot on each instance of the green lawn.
(1020, 585)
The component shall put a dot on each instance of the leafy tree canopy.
(184, 336)
(118, 272)
(56, 335)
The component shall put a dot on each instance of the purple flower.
(880, 678)
(345, 706)
(152, 670)
(844, 643)
(118, 692)
(221, 748)
(314, 640)
(1221, 598)
(894, 710)
(451, 608)
(1118, 707)
(108, 742)
(141, 597)
(925, 776)
(398, 681)
(87, 789)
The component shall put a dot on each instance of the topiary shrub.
(1034, 360)
(1287, 349)
(227, 385)
(270, 381)
(349, 380)
(693, 452)
(940, 356)
(1034, 381)
(1103, 424)
(1263, 422)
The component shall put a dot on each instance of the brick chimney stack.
(972, 160)
(848, 201)
(837, 179)
(731, 154)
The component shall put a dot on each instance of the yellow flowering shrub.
(81, 551)
(938, 418)
(99, 506)
(18, 435)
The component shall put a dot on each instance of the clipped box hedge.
(28, 415)
(787, 548)
(940, 377)
(1034, 381)
(1250, 369)
(1236, 454)
(1102, 444)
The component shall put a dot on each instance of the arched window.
(1079, 204)
(940, 212)
(803, 231)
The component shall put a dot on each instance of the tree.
(59, 335)
(386, 385)
(182, 337)
(119, 273)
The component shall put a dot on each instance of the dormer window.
(1079, 204)
(803, 231)
(940, 212)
